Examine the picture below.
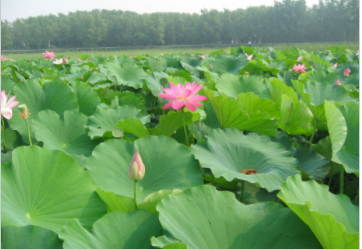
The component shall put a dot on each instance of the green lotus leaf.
(105, 119)
(203, 217)
(47, 188)
(296, 118)
(254, 194)
(65, 133)
(116, 202)
(230, 64)
(29, 237)
(190, 68)
(228, 152)
(55, 96)
(7, 84)
(278, 88)
(229, 114)
(95, 77)
(171, 122)
(343, 126)
(87, 98)
(165, 242)
(332, 218)
(169, 165)
(114, 230)
(127, 74)
(128, 98)
(319, 76)
(154, 82)
(151, 201)
(232, 85)
(134, 126)
(252, 103)
(157, 65)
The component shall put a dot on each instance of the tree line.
(286, 22)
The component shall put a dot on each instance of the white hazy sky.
(13, 9)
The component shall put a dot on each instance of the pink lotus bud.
(299, 58)
(65, 60)
(346, 72)
(137, 169)
(203, 56)
(338, 83)
(2, 57)
(335, 65)
(29, 60)
(357, 53)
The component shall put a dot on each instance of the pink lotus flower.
(338, 83)
(182, 96)
(249, 57)
(299, 68)
(346, 72)
(203, 56)
(137, 169)
(335, 65)
(357, 53)
(2, 57)
(7, 106)
(300, 58)
(58, 61)
(49, 55)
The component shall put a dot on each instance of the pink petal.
(12, 104)
(178, 104)
(188, 86)
(4, 98)
(196, 89)
(175, 89)
(197, 98)
(186, 93)
(10, 101)
(7, 112)
(190, 106)
(168, 90)
(167, 96)
(167, 106)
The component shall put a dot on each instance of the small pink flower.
(2, 57)
(300, 58)
(58, 61)
(346, 72)
(249, 57)
(335, 65)
(357, 53)
(338, 83)
(80, 60)
(203, 56)
(137, 169)
(7, 106)
(299, 68)
(49, 55)
(182, 96)
(29, 60)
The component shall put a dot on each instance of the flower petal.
(178, 104)
(7, 112)
(167, 96)
(167, 106)
(196, 89)
(186, 93)
(175, 89)
(197, 98)
(4, 98)
(190, 106)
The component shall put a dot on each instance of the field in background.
(164, 50)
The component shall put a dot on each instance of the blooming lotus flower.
(137, 169)
(335, 65)
(299, 68)
(7, 106)
(58, 61)
(65, 60)
(357, 53)
(48, 55)
(203, 56)
(346, 72)
(338, 83)
(182, 96)
(300, 58)
(249, 57)
(2, 57)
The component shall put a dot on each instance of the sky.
(13, 9)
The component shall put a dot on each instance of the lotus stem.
(29, 134)
(64, 74)
(341, 181)
(135, 193)
(3, 132)
(183, 119)
(314, 132)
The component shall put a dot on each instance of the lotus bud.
(346, 72)
(23, 111)
(65, 60)
(137, 169)
(338, 83)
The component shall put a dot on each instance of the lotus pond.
(240, 148)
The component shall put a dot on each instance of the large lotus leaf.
(229, 114)
(343, 126)
(66, 132)
(171, 122)
(105, 119)
(332, 218)
(114, 230)
(203, 217)
(88, 99)
(278, 88)
(228, 152)
(7, 84)
(126, 98)
(190, 68)
(232, 85)
(296, 118)
(230, 64)
(127, 74)
(95, 77)
(250, 103)
(167, 243)
(157, 65)
(29, 237)
(47, 188)
(151, 201)
(169, 165)
(55, 96)
(319, 76)
(134, 126)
